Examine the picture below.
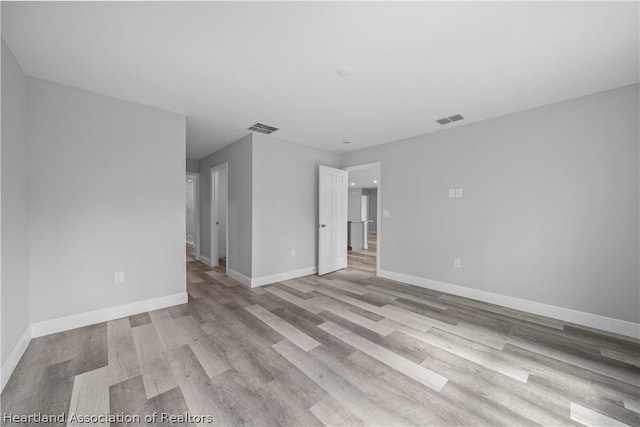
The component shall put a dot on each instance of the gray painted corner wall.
(354, 202)
(285, 204)
(93, 210)
(15, 290)
(192, 166)
(373, 209)
(549, 211)
(239, 158)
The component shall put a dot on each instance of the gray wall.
(285, 204)
(193, 165)
(549, 211)
(373, 209)
(239, 157)
(354, 202)
(97, 204)
(15, 291)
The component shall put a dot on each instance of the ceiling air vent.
(450, 119)
(262, 128)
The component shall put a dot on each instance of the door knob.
(323, 225)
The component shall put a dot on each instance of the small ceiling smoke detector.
(450, 119)
(344, 71)
(262, 128)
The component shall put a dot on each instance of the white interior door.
(215, 219)
(332, 235)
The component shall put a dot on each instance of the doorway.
(363, 218)
(192, 198)
(219, 236)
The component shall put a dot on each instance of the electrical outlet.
(457, 263)
(452, 193)
(293, 252)
(458, 192)
(118, 277)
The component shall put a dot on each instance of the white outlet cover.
(458, 192)
(452, 193)
(456, 262)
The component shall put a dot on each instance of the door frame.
(378, 214)
(196, 208)
(214, 169)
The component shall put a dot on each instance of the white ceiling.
(227, 65)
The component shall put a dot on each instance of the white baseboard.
(246, 281)
(273, 278)
(608, 324)
(84, 319)
(205, 260)
(14, 357)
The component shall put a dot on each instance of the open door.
(332, 235)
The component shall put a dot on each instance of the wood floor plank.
(210, 356)
(333, 414)
(90, 396)
(196, 386)
(299, 338)
(305, 304)
(285, 407)
(299, 285)
(171, 335)
(632, 404)
(412, 370)
(359, 320)
(123, 360)
(337, 387)
(157, 375)
(592, 418)
(630, 358)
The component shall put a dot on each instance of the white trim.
(89, 318)
(14, 357)
(246, 281)
(205, 260)
(608, 324)
(196, 208)
(279, 277)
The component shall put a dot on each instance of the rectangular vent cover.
(262, 128)
(450, 119)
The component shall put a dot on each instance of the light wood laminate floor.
(343, 349)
